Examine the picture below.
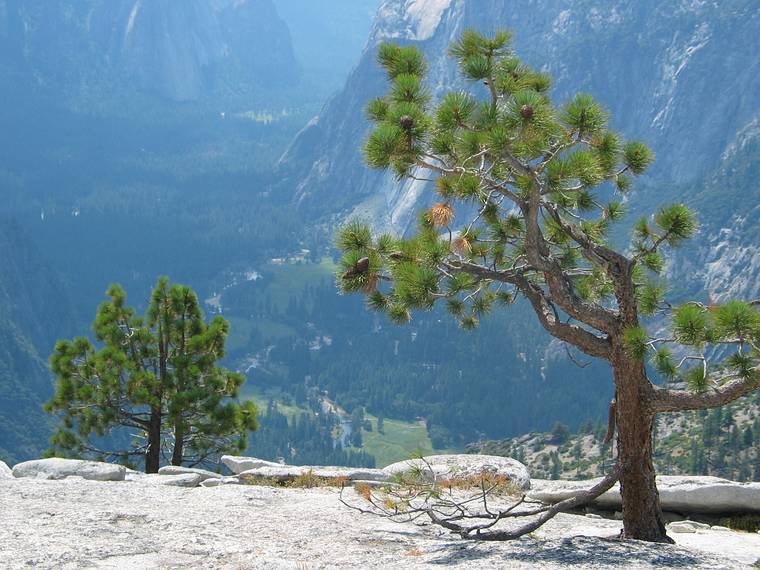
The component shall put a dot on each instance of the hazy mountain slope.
(677, 74)
(31, 298)
(328, 37)
(182, 51)
(139, 134)
(137, 141)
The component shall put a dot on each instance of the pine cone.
(359, 268)
(406, 122)
(526, 111)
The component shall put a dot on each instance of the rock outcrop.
(5, 471)
(238, 464)
(681, 494)
(284, 473)
(464, 466)
(178, 470)
(163, 520)
(57, 468)
(80, 524)
(190, 480)
(216, 482)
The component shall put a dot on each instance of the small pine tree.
(748, 437)
(155, 375)
(560, 433)
(556, 466)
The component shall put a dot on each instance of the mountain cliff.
(676, 74)
(181, 51)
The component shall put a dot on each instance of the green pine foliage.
(571, 145)
(494, 154)
(154, 378)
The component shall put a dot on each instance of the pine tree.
(556, 466)
(748, 437)
(155, 375)
(529, 192)
(560, 433)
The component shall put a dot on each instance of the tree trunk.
(153, 454)
(178, 444)
(642, 515)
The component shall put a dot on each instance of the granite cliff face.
(182, 51)
(678, 74)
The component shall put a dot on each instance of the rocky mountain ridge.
(660, 67)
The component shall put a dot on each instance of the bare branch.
(476, 532)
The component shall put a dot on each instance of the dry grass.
(497, 484)
(306, 480)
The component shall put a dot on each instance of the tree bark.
(153, 453)
(179, 441)
(642, 514)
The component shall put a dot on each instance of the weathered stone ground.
(75, 524)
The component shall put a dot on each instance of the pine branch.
(667, 400)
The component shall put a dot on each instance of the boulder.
(219, 481)
(350, 473)
(57, 468)
(239, 464)
(687, 526)
(464, 466)
(682, 494)
(183, 480)
(178, 470)
(5, 471)
(282, 473)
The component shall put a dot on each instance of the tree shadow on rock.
(574, 551)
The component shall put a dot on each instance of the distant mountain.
(182, 51)
(328, 37)
(678, 75)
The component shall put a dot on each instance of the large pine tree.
(155, 376)
(528, 194)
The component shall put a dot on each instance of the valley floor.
(86, 524)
